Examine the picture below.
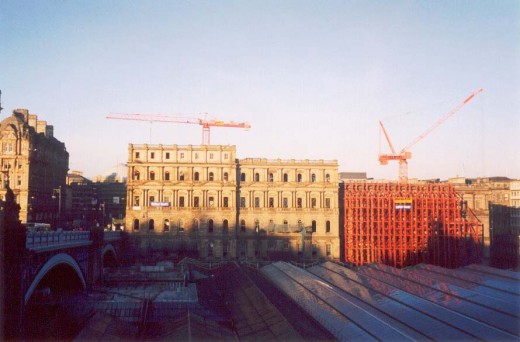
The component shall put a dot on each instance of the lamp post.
(102, 207)
(58, 191)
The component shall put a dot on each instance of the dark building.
(504, 244)
(102, 202)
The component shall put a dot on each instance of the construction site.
(403, 223)
(407, 224)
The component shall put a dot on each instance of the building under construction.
(403, 224)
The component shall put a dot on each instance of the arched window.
(195, 225)
(300, 224)
(166, 226)
(257, 226)
(210, 249)
(196, 176)
(181, 176)
(210, 226)
(211, 176)
(151, 224)
(327, 178)
(243, 177)
(257, 177)
(314, 226)
(285, 177)
(299, 178)
(313, 178)
(137, 175)
(181, 225)
(152, 175)
(327, 227)
(225, 226)
(167, 175)
(226, 177)
(136, 224)
(242, 225)
(271, 177)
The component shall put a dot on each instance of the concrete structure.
(201, 200)
(35, 164)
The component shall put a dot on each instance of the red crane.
(403, 155)
(205, 123)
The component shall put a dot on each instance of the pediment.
(9, 134)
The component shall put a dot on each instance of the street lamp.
(58, 191)
(102, 205)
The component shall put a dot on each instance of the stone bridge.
(53, 262)
(77, 254)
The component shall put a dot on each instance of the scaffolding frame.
(402, 224)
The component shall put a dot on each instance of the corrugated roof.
(385, 303)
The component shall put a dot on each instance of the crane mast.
(204, 122)
(404, 154)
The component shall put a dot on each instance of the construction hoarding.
(402, 224)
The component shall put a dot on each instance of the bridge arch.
(109, 256)
(56, 260)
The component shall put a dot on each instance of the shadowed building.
(182, 199)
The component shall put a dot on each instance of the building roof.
(423, 302)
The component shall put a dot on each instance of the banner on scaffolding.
(403, 203)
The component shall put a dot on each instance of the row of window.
(225, 225)
(285, 203)
(226, 203)
(182, 202)
(181, 176)
(182, 155)
(285, 177)
(225, 177)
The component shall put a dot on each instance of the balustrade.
(36, 240)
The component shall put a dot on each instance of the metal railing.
(45, 239)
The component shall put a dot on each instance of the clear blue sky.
(313, 78)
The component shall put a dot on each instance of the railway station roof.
(378, 302)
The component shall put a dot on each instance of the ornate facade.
(34, 164)
(183, 198)
(204, 201)
(279, 198)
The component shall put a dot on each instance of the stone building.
(202, 201)
(514, 198)
(35, 165)
(279, 198)
(182, 199)
(478, 194)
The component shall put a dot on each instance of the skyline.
(313, 79)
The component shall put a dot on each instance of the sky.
(312, 78)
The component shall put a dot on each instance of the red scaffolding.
(405, 224)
